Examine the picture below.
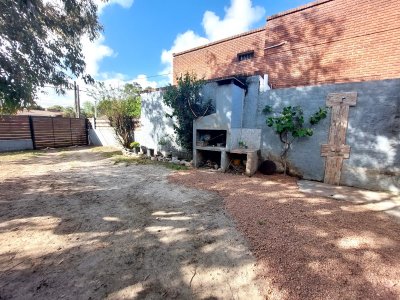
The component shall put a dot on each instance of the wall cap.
(220, 41)
(297, 9)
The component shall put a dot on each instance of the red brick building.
(328, 41)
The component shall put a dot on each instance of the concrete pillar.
(252, 163)
(224, 161)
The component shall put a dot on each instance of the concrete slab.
(377, 201)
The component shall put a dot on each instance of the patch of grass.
(19, 155)
(107, 152)
(139, 160)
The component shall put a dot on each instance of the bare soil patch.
(74, 225)
(309, 247)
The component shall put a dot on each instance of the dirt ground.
(73, 225)
(308, 246)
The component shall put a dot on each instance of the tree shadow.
(116, 232)
(295, 53)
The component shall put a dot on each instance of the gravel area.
(308, 247)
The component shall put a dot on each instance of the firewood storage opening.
(211, 138)
(209, 159)
(237, 163)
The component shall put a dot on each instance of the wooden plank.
(333, 170)
(338, 128)
(348, 99)
(328, 150)
(336, 150)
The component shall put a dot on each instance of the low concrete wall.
(102, 134)
(15, 145)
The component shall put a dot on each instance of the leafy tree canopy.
(121, 105)
(40, 44)
(88, 109)
(187, 104)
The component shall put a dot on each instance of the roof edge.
(220, 41)
(297, 9)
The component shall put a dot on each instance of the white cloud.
(94, 52)
(124, 3)
(144, 82)
(183, 41)
(48, 96)
(239, 17)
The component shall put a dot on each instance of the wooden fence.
(44, 131)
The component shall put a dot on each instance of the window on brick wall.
(245, 55)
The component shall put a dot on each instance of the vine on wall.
(289, 125)
(187, 104)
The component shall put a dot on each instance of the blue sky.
(140, 35)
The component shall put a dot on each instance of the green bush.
(134, 145)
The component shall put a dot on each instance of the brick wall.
(324, 42)
(219, 59)
(335, 41)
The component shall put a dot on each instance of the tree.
(289, 124)
(121, 106)
(56, 108)
(69, 112)
(40, 44)
(88, 109)
(187, 105)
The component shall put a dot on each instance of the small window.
(245, 55)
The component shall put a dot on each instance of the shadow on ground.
(76, 226)
(310, 247)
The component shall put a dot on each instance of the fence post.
(54, 137)
(31, 128)
(70, 131)
(87, 130)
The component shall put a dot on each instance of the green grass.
(133, 160)
(107, 152)
(19, 155)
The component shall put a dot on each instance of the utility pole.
(78, 108)
(75, 97)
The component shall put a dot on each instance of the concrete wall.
(15, 145)
(154, 125)
(102, 134)
(373, 132)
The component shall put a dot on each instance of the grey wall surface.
(102, 134)
(15, 145)
(154, 125)
(373, 132)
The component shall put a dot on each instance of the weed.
(107, 152)
(19, 155)
(139, 160)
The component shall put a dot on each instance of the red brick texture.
(328, 41)
(220, 59)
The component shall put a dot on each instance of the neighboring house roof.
(43, 113)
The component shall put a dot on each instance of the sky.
(140, 37)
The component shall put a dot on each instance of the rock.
(188, 164)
